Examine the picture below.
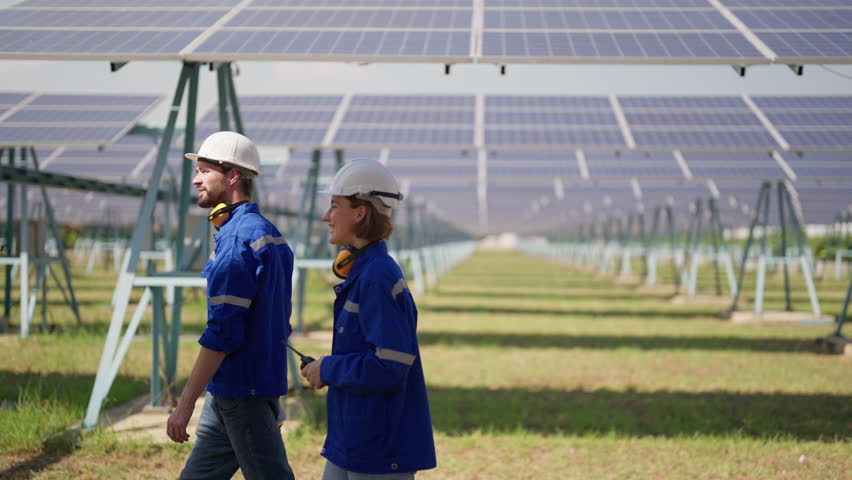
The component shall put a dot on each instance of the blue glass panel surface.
(808, 44)
(598, 3)
(99, 18)
(681, 102)
(818, 138)
(58, 100)
(273, 135)
(109, 42)
(127, 3)
(798, 19)
(250, 116)
(290, 101)
(827, 102)
(408, 117)
(647, 119)
(404, 136)
(362, 3)
(414, 101)
(810, 119)
(559, 19)
(19, 135)
(551, 118)
(352, 18)
(682, 45)
(544, 138)
(73, 116)
(547, 101)
(703, 139)
(11, 98)
(739, 172)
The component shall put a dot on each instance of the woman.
(378, 413)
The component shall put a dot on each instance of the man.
(243, 359)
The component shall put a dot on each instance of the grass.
(535, 370)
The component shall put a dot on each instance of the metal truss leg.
(110, 358)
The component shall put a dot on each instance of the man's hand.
(311, 372)
(176, 426)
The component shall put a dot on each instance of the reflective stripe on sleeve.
(350, 306)
(398, 287)
(231, 300)
(394, 356)
(260, 242)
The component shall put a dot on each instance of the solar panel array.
(559, 123)
(33, 119)
(621, 31)
(450, 150)
(740, 32)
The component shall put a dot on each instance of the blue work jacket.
(378, 411)
(249, 285)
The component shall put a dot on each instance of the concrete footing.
(802, 318)
(835, 345)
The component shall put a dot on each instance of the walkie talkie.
(304, 358)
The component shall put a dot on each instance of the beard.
(210, 199)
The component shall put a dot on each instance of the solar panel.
(823, 166)
(612, 32)
(423, 31)
(423, 121)
(632, 165)
(561, 139)
(700, 139)
(739, 166)
(817, 31)
(58, 119)
(407, 137)
(703, 123)
(810, 123)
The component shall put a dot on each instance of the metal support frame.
(112, 355)
(841, 232)
(304, 231)
(765, 256)
(653, 254)
(24, 260)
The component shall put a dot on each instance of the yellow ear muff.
(219, 214)
(343, 263)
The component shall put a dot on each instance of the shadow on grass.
(566, 295)
(669, 312)
(30, 467)
(601, 342)
(70, 388)
(666, 414)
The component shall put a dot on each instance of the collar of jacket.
(239, 211)
(372, 250)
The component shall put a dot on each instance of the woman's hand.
(311, 372)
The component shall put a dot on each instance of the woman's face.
(341, 219)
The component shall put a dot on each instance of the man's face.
(211, 181)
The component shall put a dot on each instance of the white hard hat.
(369, 180)
(229, 147)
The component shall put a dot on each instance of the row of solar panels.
(513, 208)
(458, 31)
(133, 164)
(689, 123)
(520, 186)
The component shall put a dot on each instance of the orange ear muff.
(345, 259)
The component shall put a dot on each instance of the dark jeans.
(238, 433)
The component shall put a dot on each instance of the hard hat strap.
(377, 193)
